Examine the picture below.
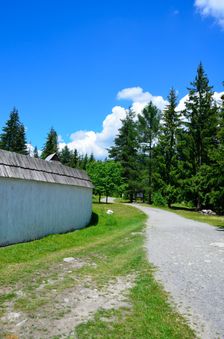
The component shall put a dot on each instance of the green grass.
(214, 220)
(115, 245)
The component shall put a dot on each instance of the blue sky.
(76, 65)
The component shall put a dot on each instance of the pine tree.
(125, 150)
(201, 116)
(148, 128)
(35, 152)
(65, 156)
(215, 176)
(13, 137)
(51, 145)
(74, 159)
(168, 147)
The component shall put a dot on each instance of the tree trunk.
(99, 197)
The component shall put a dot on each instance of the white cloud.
(140, 98)
(214, 8)
(30, 149)
(98, 142)
(181, 105)
(60, 139)
(216, 96)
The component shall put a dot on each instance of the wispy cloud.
(213, 8)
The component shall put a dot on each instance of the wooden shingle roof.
(17, 166)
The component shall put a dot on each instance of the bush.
(158, 199)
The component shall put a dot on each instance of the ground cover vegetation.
(163, 157)
(106, 291)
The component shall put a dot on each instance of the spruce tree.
(201, 124)
(65, 156)
(13, 137)
(35, 152)
(215, 177)
(148, 129)
(74, 159)
(168, 147)
(125, 150)
(51, 144)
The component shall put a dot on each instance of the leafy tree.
(148, 128)
(106, 177)
(125, 151)
(51, 144)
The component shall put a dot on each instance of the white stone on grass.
(69, 259)
(110, 212)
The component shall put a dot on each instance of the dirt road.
(189, 257)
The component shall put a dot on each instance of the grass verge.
(115, 246)
(214, 220)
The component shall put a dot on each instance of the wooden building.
(39, 197)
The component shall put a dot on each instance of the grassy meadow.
(112, 248)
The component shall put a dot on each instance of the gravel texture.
(189, 257)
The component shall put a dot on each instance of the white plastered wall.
(30, 209)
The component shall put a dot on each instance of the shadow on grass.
(94, 220)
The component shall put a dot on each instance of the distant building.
(39, 197)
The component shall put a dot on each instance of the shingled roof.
(17, 166)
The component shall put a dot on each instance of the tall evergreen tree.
(51, 144)
(125, 150)
(215, 176)
(74, 159)
(168, 146)
(65, 156)
(148, 128)
(35, 152)
(201, 116)
(13, 137)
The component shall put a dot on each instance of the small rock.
(69, 259)
(217, 244)
(110, 212)
(207, 212)
(21, 322)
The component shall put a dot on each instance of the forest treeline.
(164, 157)
(173, 156)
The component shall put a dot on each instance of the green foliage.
(35, 152)
(158, 199)
(201, 130)
(65, 156)
(51, 144)
(125, 150)
(13, 137)
(106, 177)
(148, 130)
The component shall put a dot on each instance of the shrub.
(158, 199)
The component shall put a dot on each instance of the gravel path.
(189, 256)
